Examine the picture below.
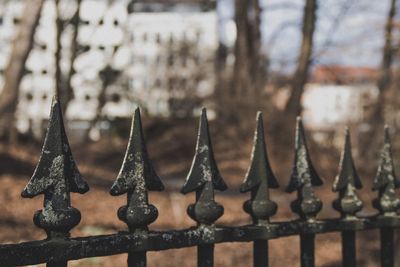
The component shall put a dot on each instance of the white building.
(144, 41)
(328, 106)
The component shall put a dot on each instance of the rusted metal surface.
(57, 175)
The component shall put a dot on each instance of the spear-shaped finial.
(55, 176)
(136, 176)
(203, 178)
(386, 181)
(259, 178)
(304, 176)
(346, 183)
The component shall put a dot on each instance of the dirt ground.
(171, 152)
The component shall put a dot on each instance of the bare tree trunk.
(59, 30)
(369, 140)
(241, 65)
(68, 95)
(293, 105)
(246, 88)
(14, 72)
(387, 59)
(220, 72)
(256, 71)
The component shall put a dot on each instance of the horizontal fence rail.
(35, 252)
(57, 175)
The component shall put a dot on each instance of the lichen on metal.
(346, 183)
(203, 178)
(136, 177)
(303, 178)
(55, 176)
(259, 178)
(386, 181)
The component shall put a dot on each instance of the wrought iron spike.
(136, 177)
(347, 171)
(303, 169)
(303, 177)
(259, 179)
(386, 180)
(260, 169)
(346, 182)
(203, 169)
(203, 178)
(136, 166)
(55, 176)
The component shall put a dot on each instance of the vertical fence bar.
(137, 259)
(56, 176)
(205, 255)
(258, 180)
(260, 256)
(136, 177)
(203, 178)
(349, 248)
(348, 203)
(387, 247)
(307, 205)
(307, 248)
(387, 203)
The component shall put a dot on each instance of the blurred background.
(334, 62)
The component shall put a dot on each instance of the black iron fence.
(56, 175)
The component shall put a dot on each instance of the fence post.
(203, 178)
(259, 178)
(387, 247)
(307, 250)
(55, 176)
(135, 178)
(349, 248)
(387, 202)
(348, 203)
(307, 205)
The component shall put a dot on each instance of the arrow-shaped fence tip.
(348, 203)
(385, 180)
(204, 167)
(304, 176)
(56, 161)
(136, 177)
(136, 165)
(385, 173)
(347, 171)
(55, 176)
(302, 168)
(260, 169)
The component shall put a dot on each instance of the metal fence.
(56, 175)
